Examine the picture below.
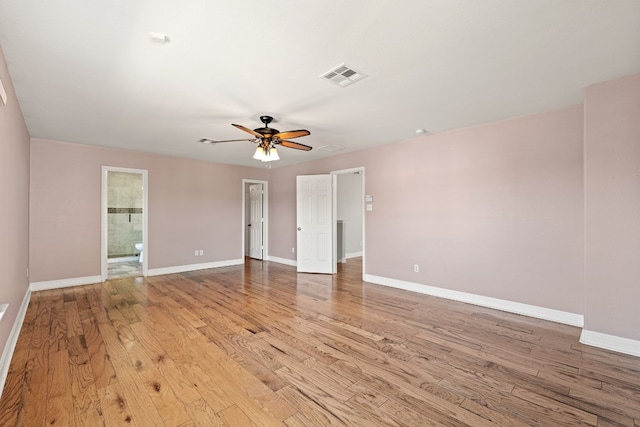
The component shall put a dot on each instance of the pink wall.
(612, 209)
(192, 205)
(14, 202)
(494, 210)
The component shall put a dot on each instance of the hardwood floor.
(260, 345)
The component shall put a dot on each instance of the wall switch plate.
(201, 252)
(293, 250)
(196, 252)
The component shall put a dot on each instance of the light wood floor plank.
(143, 411)
(35, 386)
(170, 408)
(115, 408)
(60, 412)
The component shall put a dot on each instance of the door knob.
(299, 228)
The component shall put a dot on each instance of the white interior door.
(256, 221)
(314, 223)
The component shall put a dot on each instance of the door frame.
(334, 182)
(265, 214)
(104, 248)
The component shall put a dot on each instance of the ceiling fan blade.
(252, 132)
(295, 145)
(292, 134)
(215, 141)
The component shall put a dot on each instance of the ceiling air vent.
(343, 76)
(330, 148)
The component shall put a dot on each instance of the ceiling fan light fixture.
(271, 155)
(266, 154)
(259, 154)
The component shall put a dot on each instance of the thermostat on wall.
(3, 94)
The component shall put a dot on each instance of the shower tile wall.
(124, 215)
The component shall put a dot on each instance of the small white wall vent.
(3, 94)
(343, 76)
(3, 309)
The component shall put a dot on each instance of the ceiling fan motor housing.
(266, 130)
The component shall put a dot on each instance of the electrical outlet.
(416, 268)
(293, 250)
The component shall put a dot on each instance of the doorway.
(124, 223)
(254, 219)
(349, 216)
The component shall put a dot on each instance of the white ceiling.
(87, 72)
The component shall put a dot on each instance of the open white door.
(256, 222)
(314, 224)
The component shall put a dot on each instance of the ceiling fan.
(267, 138)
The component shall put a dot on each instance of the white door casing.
(314, 202)
(256, 221)
(104, 220)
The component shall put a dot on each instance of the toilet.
(139, 247)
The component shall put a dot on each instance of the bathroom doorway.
(124, 223)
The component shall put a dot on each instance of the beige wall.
(14, 210)
(192, 205)
(494, 210)
(612, 209)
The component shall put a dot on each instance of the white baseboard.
(64, 283)
(291, 262)
(498, 304)
(354, 255)
(9, 348)
(193, 267)
(610, 342)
